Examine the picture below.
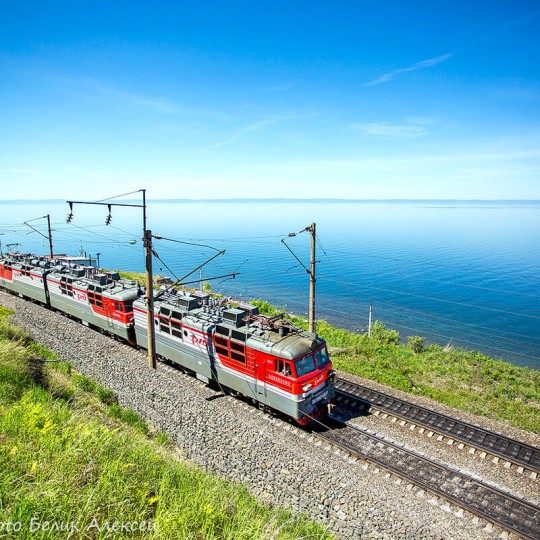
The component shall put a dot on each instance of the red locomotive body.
(101, 300)
(278, 366)
(25, 275)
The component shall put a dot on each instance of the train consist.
(278, 366)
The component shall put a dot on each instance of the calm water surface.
(464, 274)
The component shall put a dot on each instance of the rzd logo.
(199, 340)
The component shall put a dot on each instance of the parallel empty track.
(497, 507)
(357, 397)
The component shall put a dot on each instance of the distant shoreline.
(300, 201)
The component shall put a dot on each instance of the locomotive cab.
(299, 377)
(315, 377)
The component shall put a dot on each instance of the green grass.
(133, 276)
(137, 276)
(70, 456)
(461, 378)
(88, 385)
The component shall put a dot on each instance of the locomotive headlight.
(306, 387)
(331, 375)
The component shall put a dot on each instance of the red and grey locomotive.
(277, 365)
(101, 300)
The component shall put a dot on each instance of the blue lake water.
(467, 274)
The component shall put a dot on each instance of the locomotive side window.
(238, 352)
(222, 345)
(231, 349)
(322, 357)
(25, 271)
(305, 365)
(283, 368)
(176, 327)
(95, 299)
(164, 325)
(239, 336)
(119, 306)
(66, 287)
(223, 330)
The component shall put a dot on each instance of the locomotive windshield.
(312, 362)
(322, 357)
(305, 365)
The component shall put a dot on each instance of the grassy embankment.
(72, 459)
(465, 379)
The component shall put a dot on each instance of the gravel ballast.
(279, 463)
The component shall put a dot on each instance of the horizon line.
(292, 200)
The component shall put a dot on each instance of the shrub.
(382, 336)
(416, 344)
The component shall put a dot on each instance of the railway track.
(495, 506)
(359, 398)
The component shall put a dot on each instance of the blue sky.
(299, 99)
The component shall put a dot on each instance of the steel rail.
(501, 509)
(501, 446)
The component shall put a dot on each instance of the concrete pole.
(312, 281)
(150, 301)
(50, 236)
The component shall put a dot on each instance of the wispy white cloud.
(383, 129)
(90, 86)
(424, 64)
(257, 126)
